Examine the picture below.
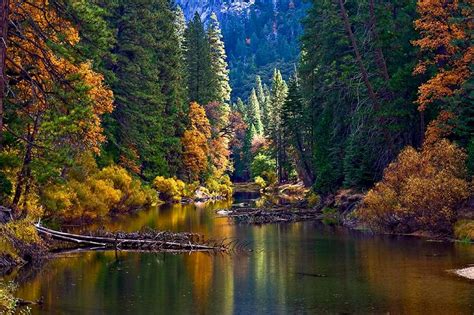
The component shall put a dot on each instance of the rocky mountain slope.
(220, 7)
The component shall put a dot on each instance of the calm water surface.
(361, 273)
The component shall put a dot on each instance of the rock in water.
(223, 212)
(466, 273)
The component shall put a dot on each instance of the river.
(302, 268)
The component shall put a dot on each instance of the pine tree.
(275, 131)
(259, 90)
(218, 61)
(246, 155)
(241, 108)
(297, 131)
(265, 107)
(180, 26)
(356, 64)
(200, 78)
(150, 98)
(254, 113)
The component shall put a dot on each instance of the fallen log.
(273, 215)
(151, 240)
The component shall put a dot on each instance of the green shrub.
(262, 164)
(313, 199)
(221, 187)
(330, 216)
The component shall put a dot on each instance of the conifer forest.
(236, 157)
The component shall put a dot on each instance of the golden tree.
(446, 43)
(446, 29)
(195, 143)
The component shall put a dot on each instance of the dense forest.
(109, 107)
(112, 106)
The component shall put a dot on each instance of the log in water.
(150, 240)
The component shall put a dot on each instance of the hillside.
(259, 36)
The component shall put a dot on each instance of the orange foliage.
(219, 118)
(131, 163)
(446, 30)
(421, 190)
(439, 128)
(195, 143)
(38, 70)
(259, 144)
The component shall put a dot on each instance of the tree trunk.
(4, 13)
(379, 56)
(360, 63)
(25, 172)
(306, 169)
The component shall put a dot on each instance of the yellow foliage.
(170, 189)
(270, 177)
(260, 182)
(464, 230)
(221, 186)
(17, 231)
(421, 190)
(43, 70)
(89, 193)
(7, 300)
(195, 143)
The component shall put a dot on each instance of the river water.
(302, 268)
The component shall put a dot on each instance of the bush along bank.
(425, 192)
(173, 190)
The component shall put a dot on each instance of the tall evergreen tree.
(259, 90)
(262, 100)
(200, 78)
(150, 98)
(254, 118)
(180, 22)
(265, 107)
(241, 108)
(218, 61)
(356, 62)
(275, 130)
(297, 131)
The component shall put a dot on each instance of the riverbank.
(293, 202)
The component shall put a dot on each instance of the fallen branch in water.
(275, 215)
(144, 241)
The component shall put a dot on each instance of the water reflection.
(295, 268)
